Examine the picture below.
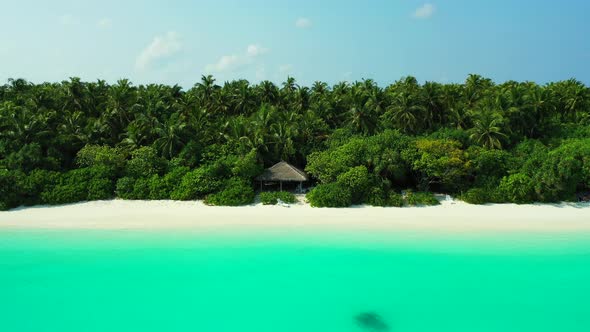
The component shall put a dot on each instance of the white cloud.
(255, 50)
(285, 69)
(225, 63)
(303, 23)
(68, 20)
(233, 62)
(105, 23)
(161, 47)
(424, 12)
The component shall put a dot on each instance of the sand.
(453, 216)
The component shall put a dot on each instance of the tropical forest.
(479, 141)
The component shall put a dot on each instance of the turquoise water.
(292, 281)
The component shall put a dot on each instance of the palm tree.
(22, 126)
(302, 100)
(311, 129)
(265, 116)
(366, 103)
(120, 108)
(452, 113)
(134, 138)
(288, 93)
(487, 130)
(240, 96)
(475, 88)
(141, 131)
(290, 85)
(267, 92)
(282, 140)
(538, 104)
(72, 130)
(376, 101)
(433, 103)
(319, 88)
(206, 89)
(405, 113)
(96, 98)
(362, 119)
(572, 98)
(19, 87)
(171, 137)
(74, 95)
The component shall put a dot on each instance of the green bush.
(158, 188)
(141, 189)
(9, 191)
(330, 195)
(197, 184)
(136, 189)
(271, 198)
(421, 199)
(145, 162)
(216, 151)
(27, 158)
(124, 188)
(35, 183)
(248, 166)
(565, 171)
(395, 199)
(458, 135)
(380, 197)
(377, 197)
(100, 189)
(490, 163)
(96, 155)
(516, 188)
(381, 155)
(358, 181)
(82, 184)
(477, 196)
(236, 192)
(161, 187)
(439, 161)
(64, 194)
(72, 188)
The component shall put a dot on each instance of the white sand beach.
(451, 216)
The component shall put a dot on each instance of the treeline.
(511, 142)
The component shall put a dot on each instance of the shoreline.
(450, 216)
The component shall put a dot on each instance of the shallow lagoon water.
(296, 280)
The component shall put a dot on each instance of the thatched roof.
(283, 171)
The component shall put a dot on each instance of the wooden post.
(281, 185)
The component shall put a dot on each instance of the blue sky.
(176, 41)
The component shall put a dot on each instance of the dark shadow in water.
(371, 321)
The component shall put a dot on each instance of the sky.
(177, 41)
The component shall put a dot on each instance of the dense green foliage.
(198, 183)
(89, 183)
(486, 142)
(236, 191)
(330, 195)
(272, 197)
(420, 199)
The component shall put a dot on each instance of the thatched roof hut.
(283, 172)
